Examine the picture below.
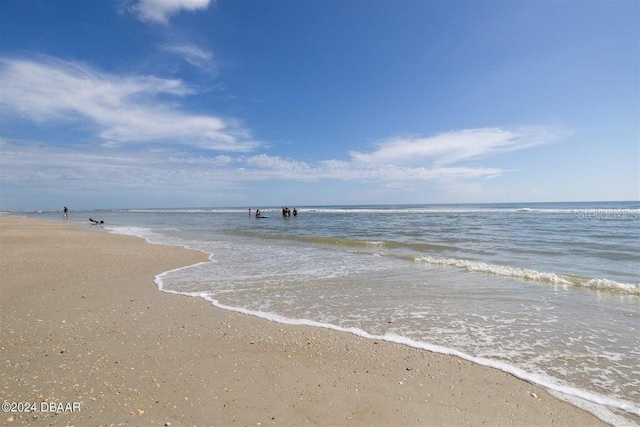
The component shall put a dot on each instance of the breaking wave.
(605, 285)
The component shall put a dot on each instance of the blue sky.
(176, 103)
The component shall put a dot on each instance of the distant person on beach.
(66, 213)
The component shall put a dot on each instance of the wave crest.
(533, 275)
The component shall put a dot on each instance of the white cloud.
(336, 169)
(33, 165)
(171, 176)
(121, 109)
(263, 161)
(194, 55)
(159, 11)
(456, 146)
(221, 160)
(146, 139)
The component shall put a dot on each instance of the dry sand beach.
(83, 325)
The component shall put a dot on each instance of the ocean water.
(547, 292)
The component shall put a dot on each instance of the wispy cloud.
(456, 146)
(122, 109)
(271, 163)
(147, 142)
(160, 11)
(37, 166)
(193, 54)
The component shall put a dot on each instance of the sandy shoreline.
(81, 322)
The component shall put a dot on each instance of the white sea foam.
(610, 285)
(499, 270)
(595, 403)
(533, 275)
(148, 234)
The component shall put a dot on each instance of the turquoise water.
(547, 292)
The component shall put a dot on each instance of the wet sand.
(84, 329)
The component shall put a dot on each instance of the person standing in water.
(65, 213)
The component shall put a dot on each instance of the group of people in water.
(286, 212)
